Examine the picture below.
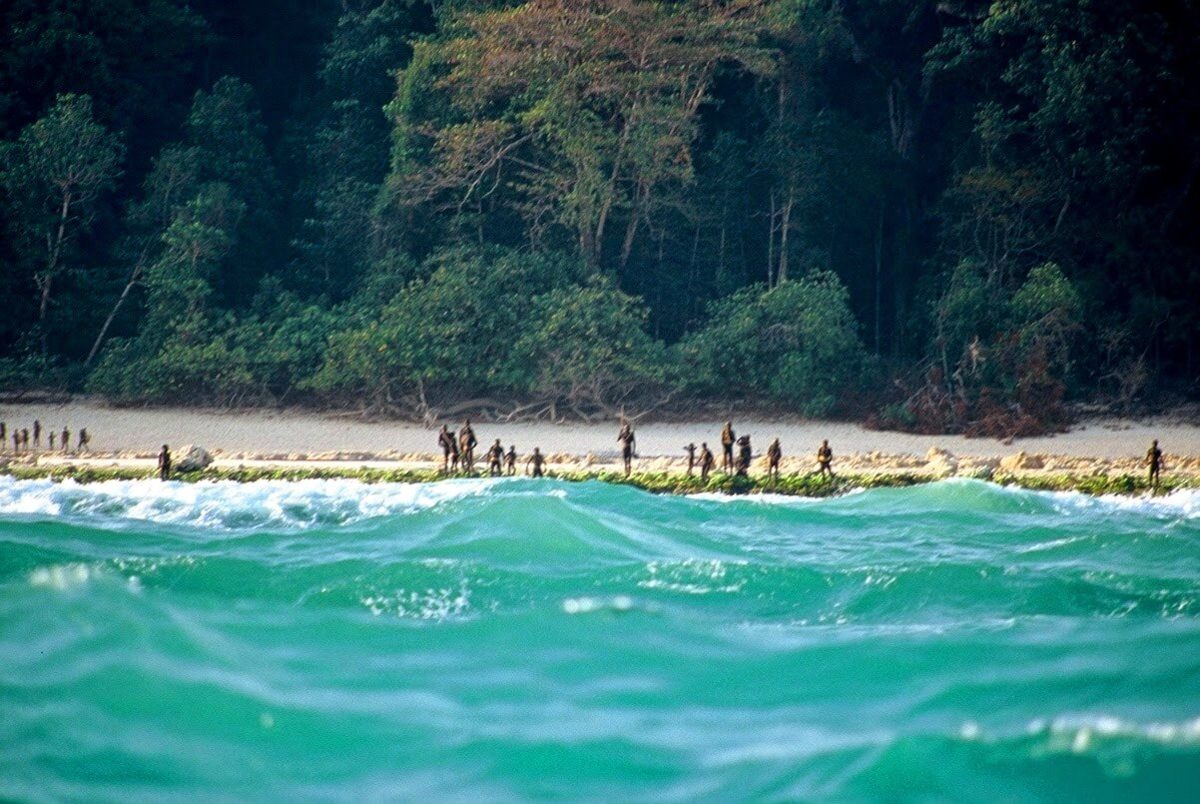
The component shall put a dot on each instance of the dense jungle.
(949, 216)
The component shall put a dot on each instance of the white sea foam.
(1079, 734)
(588, 605)
(1181, 502)
(229, 505)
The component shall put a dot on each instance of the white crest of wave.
(230, 505)
(1080, 734)
(1180, 502)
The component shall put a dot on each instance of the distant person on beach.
(628, 440)
(84, 439)
(690, 449)
(24, 440)
(454, 455)
(707, 460)
(495, 459)
(16, 441)
(164, 463)
(536, 461)
(66, 440)
(1154, 457)
(447, 443)
(50, 438)
(825, 460)
(727, 442)
(744, 455)
(37, 434)
(3, 434)
(774, 453)
(510, 460)
(466, 446)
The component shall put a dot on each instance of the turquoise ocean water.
(502, 640)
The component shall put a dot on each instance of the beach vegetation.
(958, 216)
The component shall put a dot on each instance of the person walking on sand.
(535, 463)
(510, 460)
(466, 446)
(495, 459)
(50, 438)
(164, 463)
(37, 434)
(24, 440)
(727, 442)
(774, 453)
(627, 440)
(745, 453)
(3, 434)
(447, 443)
(825, 460)
(707, 461)
(66, 440)
(1154, 457)
(84, 439)
(16, 442)
(690, 449)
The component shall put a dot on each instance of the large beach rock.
(1022, 460)
(941, 463)
(191, 458)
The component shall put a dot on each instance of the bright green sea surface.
(516, 639)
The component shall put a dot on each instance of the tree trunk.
(52, 258)
(133, 278)
(785, 225)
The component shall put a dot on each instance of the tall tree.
(54, 176)
(576, 114)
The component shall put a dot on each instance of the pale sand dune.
(241, 435)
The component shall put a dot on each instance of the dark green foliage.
(796, 344)
(557, 206)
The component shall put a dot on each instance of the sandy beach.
(128, 436)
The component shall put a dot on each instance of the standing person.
(495, 457)
(3, 434)
(690, 449)
(510, 460)
(66, 440)
(446, 442)
(164, 463)
(825, 460)
(37, 434)
(627, 439)
(744, 455)
(536, 461)
(16, 441)
(707, 461)
(24, 440)
(727, 442)
(774, 453)
(50, 438)
(84, 439)
(466, 446)
(1154, 461)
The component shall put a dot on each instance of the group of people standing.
(458, 454)
(738, 462)
(29, 440)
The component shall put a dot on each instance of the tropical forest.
(931, 215)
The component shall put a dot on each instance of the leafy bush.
(796, 343)
(588, 346)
